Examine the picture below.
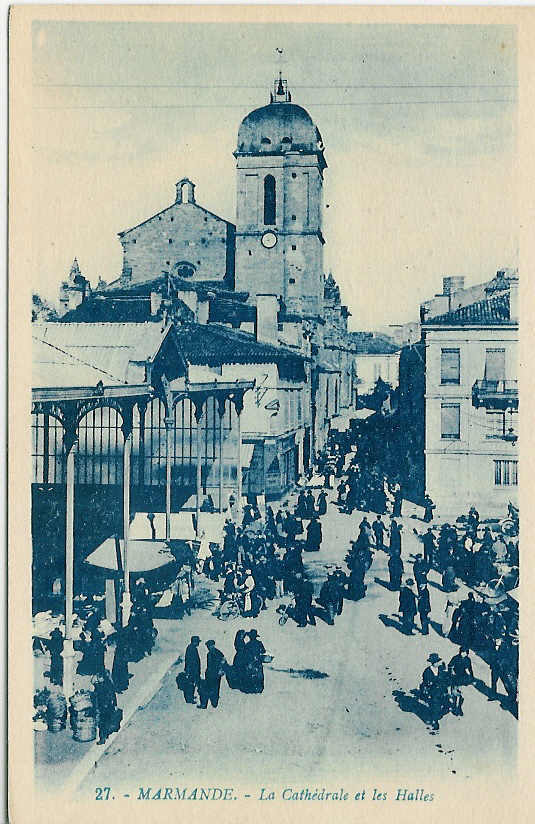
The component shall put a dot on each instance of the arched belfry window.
(270, 201)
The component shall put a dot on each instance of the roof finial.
(280, 92)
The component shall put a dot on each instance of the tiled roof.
(372, 344)
(144, 288)
(493, 311)
(214, 345)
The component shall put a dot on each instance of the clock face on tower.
(269, 240)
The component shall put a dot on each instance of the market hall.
(112, 402)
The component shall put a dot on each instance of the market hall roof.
(494, 311)
(82, 354)
(119, 352)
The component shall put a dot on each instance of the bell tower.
(279, 240)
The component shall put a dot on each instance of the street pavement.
(336, 705)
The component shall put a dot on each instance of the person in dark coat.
(448, 579)
(329, 598)
(322, 503)
(235, 673)
(192, 669)
(310, 504)
(254, 652)
(119, 673)
(395, 537)
(304, 593)
(460, 668)
(407, 606)
(428, 541)
(356, 585)
(340, 580)
(215, 669)
(105, 706)
(292, 527)
(429, 506)
(460, 673)
(424, 609)
(433, 688)
(420, 570)
(314, 535)
(55, 646)
(379, 530)
(395, 570)
(301, 508)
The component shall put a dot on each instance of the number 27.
(102, 793)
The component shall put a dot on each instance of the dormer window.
(286, 140)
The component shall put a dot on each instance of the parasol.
(143, 555)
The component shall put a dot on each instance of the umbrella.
(514, 593)
(143, 555)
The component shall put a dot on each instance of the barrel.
(85, 730)
(81, 701)
(56, 724)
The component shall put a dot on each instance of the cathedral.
(248, 300)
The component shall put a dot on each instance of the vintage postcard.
(266, 272)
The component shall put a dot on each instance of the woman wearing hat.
(253, 675)
(407, 606)
(433, 688)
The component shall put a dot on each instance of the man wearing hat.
(215, 669)
(192, 669)
(407, 606)
(424, 608)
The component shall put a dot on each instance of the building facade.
(471, 405)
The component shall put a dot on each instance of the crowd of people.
(261, 560)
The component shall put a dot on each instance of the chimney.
(155, 302)
(203, 309)
(267, 309)
(452, 284)
(513, 301)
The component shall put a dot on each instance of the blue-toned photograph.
(274, 273)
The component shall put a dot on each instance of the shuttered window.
(450, 421)
(495, 365)
(450, 366)
(506, 473)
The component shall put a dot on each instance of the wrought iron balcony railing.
(495, 394)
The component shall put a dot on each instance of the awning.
(143, 555)
(362, 414)
(181, 526)
(340, 423)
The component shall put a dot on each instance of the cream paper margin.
(495, 799)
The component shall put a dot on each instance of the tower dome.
(279, 127)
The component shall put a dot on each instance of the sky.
(418, 122)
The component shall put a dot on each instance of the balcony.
(500, 395)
